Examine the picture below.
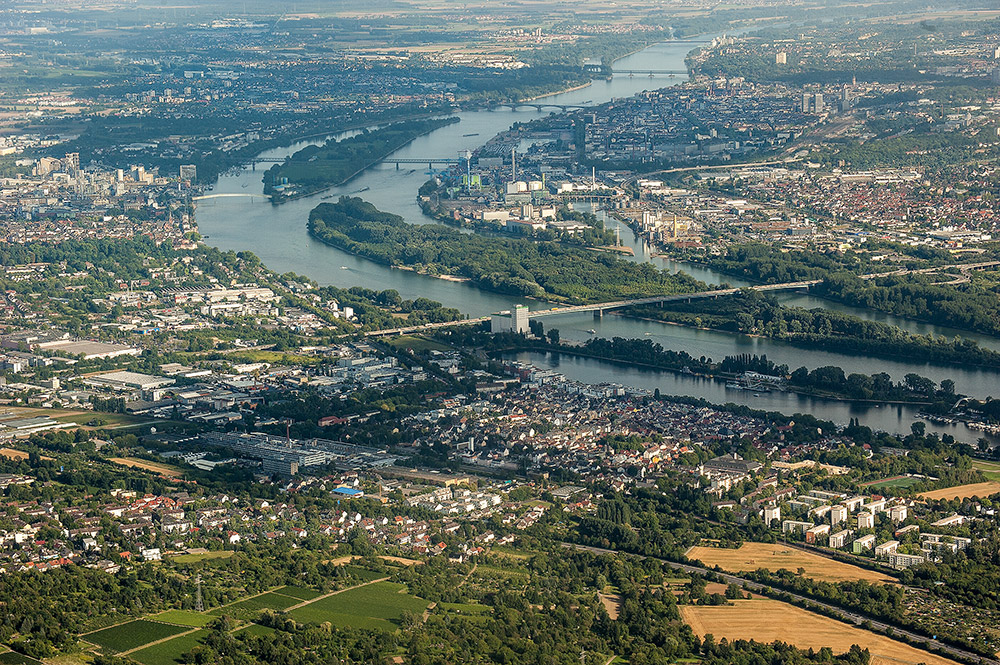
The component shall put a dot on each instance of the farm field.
(14, 454)
(373, 606)
(298, 592)
(126, 636)
(612, 604)
(249, 608)
(773, 557)
(169, 652)
(400, 560)
(767, 620)
(11, 453)
(183, 618)
(981, 490)
(146, 465)
(360, 575)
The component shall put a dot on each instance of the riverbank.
(447, 278)
(943, 356)
(629, 353)
(893, 299)
(520, 267)
(316, 169)
(555, 92)
(279, 237)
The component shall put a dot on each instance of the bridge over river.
(599, 309)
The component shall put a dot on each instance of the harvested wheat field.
(400, 560)
(162, 469)
(11, 453)
(612, 604)
(766, 620)
(752, 556)
(981, 490)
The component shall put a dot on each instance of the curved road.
(842, 614)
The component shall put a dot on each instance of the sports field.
(773, 557)
(898, 481)
(980, 490)
(766, 620)
(132, 634)
(379, 605)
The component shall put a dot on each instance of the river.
(887, 418)
(277, 234)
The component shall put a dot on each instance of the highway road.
(844, 615)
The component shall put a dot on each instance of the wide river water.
(277, 234)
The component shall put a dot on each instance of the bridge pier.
(397, 166)
(598, 314)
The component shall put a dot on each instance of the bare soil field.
(981, 490)
(767, 620)
(752, 556)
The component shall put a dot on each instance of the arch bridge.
(540, 106)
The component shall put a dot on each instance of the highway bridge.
(430, 161)
(598, 309)
(205, 197)
(650, 72)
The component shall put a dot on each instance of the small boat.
(732, 385)
(344, 268)
(474, 134)
(592, 331)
